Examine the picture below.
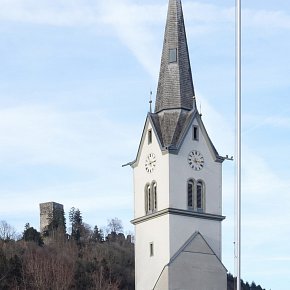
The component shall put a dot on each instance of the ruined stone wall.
(47, 210)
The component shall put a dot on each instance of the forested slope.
(85, 259)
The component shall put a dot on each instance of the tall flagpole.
(238, 141)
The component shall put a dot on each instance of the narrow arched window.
(200, 196)
(196, 195)
(151, 198)
(154, 188)
(147, 198)
(190, 193)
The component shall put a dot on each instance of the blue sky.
(74, 84)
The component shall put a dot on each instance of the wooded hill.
(85, 259)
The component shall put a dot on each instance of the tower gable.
(194, 117)
(151, 168)
(195, 244)
(195, 263)
(150, 127)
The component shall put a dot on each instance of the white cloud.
(278, 121)
(44, 135)
(38, 134)
(133, 25)
(59, 13)
(267, 20)
(138, 26)
(64, 157)
(208, 13)
(255, 122)
(85, 144)
(91, 195)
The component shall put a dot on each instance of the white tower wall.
(171, 233)
(142, 177)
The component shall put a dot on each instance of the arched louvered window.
(200, 196)
(190, 193)
(147, 198)
(196, 195)
(151, 199)
(154, 190)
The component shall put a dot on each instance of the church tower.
(177, 181)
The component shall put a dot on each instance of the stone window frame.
(192, 196)
(202, 197)
(190, 193)
(147, 198)
(154, 195)
(150, 197)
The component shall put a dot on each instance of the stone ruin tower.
(51, 211)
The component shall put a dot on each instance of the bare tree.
(50, 268)
(7, 232)
(101, 283)
(114, 226)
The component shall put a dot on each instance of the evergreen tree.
(76, 220)
(31, 234)
(253, 286)
(98, 235)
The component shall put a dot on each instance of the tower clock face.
(150, 162)
(195, 160)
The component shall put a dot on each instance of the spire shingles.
(175, 86)
(175, 92)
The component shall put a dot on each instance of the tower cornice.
(176, 211)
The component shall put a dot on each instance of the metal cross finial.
(150, 102)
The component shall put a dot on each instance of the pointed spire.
(175, 86)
